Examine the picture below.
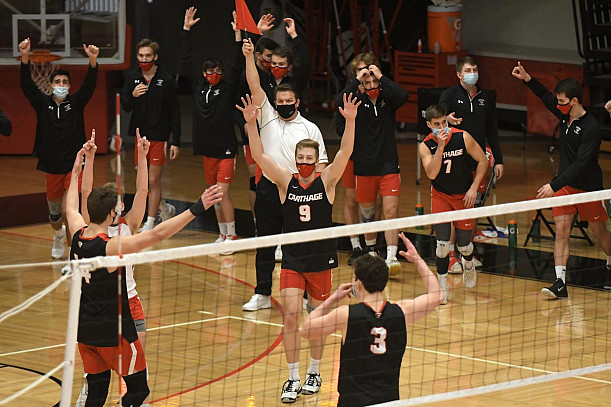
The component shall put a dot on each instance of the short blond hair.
(307, 143)
(367, 58)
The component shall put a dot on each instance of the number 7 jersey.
(455, 176)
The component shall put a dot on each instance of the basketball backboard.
(62, 26)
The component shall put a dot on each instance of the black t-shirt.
(98, 315)
(307, 207)
(370, 358)
(455, 176)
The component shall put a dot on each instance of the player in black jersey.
(445, 156)
(98, 337)
(307, 203)
(578, 171)
(374, 330)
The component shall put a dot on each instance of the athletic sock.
(150, 221)
(443, 278)
(370, 242)
(356, 243)
(561, 272)
(230, 228)
(223, 228)
(391, 252)
(451, 247)
(314, 366)
(293, 371)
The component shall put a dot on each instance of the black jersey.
(370, 358)
(98, 315)
(455, 176)
(306, 207)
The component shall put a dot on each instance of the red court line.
(277, 342)
(50, 239)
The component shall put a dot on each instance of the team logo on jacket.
(159, 82)
(382, 103)
(577, 129)
(482, 102)
(459, 101)
(216, 92)
(67, 107)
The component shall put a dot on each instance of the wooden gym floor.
(203, 350)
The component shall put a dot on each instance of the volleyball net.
(201, 348)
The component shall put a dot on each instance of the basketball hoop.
(42, 65)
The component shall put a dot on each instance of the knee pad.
(443, 249)
(465, 250)
(217, 206)
(442, 264)
(367, 214)
(310, 307)
(137, 389)
(253, 184)
(55, 210)
(97, 385)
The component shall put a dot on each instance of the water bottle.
(419, 211)
(436, 48)
(419, 46)
(512, 227)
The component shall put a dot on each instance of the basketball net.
(42, 65)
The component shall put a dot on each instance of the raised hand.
(211, 196)
(375, 71)
(453, 120)
(520, 73)
(290, 27)
(24, 46)
(351, 105)
(190, 21)
(362, 74)
(90, 147)
(266, 23)
(411, 254)
(344, 290)
(91, 50)
(78, 161)
(249, 110)
(247, 47)
(142, 143)
(442, 138)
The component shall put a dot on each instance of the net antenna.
(42, 64)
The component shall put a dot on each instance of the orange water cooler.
(444, 27)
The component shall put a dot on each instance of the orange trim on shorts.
(317, 283)
(588, 211)
(97, 359)
(135, 307)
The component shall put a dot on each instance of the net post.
(71, 336)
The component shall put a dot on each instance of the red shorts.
(58, 183)
(100, 359)
(317, 284)
(367, 187)
(157, 153)
(348, 179)
(248, 156)
(589, 211)
(219, 170)
(482, 186)
(135, 307)
(441, 202)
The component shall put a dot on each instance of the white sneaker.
(312, 384)
(394, 267)
(469, 276)
(146, 226)
(57, 251)
(66, 269)
(477, 263)
(229, 238)
(257, 302)
(220, 239)
(446, 291)
(290, 390)
(167, 211)
(82, 397)
(278, 254)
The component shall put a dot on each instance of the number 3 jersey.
(306, 207)
(370, 358)
(455, 176)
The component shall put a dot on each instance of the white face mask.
(470, 78)
(60, 92)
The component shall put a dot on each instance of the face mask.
(373, 93)
(436, 131)
(470, 78)
(564, 109)
(285, 111)
(266, 64)
(60, 92)
(146, 66)
(353, 291)
(305, 169)
(279, 72)
(213, 78)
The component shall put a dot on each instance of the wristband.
(198, 207)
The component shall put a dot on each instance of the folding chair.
(540, 217)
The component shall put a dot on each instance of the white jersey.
(113, 230)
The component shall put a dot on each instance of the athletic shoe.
(145, 227)
(229, 238)
(557, 290)
(469, 276)
(66, 269)
(278, 254)
(355, 254)
(290, 390)
(446, 291)
(167, 211)
(221, 238)
(455, 267)
(477, 263)
(312, 384)
(394, 267)
(82, 397)
(57, 251)
(257, 302)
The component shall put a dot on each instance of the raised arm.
(424, 304)
(28, 86)
(136, 213)
(252, 75)
(73, 217)
(86, 90)
(278, 175)
(87, 182)
(476, 152)
(325, 320)
(548, 99)
(186, 55)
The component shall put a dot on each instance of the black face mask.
(286, 111)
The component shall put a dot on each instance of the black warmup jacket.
(375, 146)
(156, 112)
(579, 146)
(60, 129)
(213, 106)
(479, 117)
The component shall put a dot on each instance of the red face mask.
(373, 93)
(305, 170)
(564, 109)
(146, 66)
(213, 78)
(279, 72)
(266, 64)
